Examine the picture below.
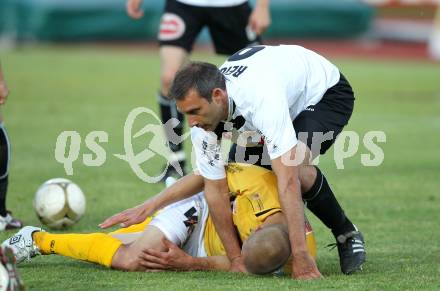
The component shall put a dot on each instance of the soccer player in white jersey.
(232, 24)
(297, 102)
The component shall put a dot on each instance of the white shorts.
(183, 223)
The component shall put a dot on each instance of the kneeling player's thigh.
(316, 133)
(151, 238)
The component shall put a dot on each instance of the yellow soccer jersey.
(256, 198)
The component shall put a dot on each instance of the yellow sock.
(94, 247)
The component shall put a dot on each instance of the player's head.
(267, 249)
(199, 76)
(199, 90)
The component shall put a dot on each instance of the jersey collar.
(231, 109)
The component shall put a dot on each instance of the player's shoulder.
(245, 56)
(263, 63)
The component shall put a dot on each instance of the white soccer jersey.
(213, 3)
(183, 223)
(268, 86)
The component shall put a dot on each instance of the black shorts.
(181, 24)
(325, 119)
(328, 116)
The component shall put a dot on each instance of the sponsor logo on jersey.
(265, 140)
(191, 220)
(52, 247)
(256, 196)
(15, 239)
(172, 27)
(210, 152)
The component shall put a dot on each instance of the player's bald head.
(267, 249)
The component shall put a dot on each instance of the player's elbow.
(130, 265)
(126, 261)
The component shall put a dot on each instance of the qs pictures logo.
(68, 145)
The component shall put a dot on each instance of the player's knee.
(307, 177)
(129, 264)
(132, 265)
(126, 261)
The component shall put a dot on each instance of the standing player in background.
(233, 25)
(6, 220)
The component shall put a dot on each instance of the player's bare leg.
(172, 59)
(127, 256)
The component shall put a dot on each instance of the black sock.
(168, 110)
(4, 165)
(3, 190)
(322, 202)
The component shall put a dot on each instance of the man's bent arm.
(215, 263)
(289, 191)
(259, 19)
(174, 258)
(217, 196)
(185, 187)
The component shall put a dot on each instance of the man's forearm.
(263, 4)
(293, 208)
(289, 192)
(185, 187)
(215, 263)
(217, 196)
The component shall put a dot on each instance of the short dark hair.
(203, 77)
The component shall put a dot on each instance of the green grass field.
(396, 205)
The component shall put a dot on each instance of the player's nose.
(192, 121)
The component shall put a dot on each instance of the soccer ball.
(59, 203)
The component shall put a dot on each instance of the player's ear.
(217, 95)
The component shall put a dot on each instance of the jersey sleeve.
(272, 120)
(209, 162)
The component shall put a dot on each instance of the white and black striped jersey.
(268, 86)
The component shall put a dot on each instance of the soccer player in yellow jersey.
(255, 205)
(182, 236)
